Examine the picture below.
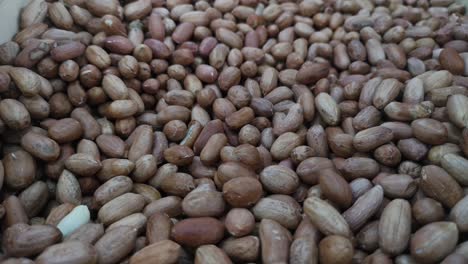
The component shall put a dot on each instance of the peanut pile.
(235, 131)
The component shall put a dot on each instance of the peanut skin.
(234, 131)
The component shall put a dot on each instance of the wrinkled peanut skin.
(235, 131)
